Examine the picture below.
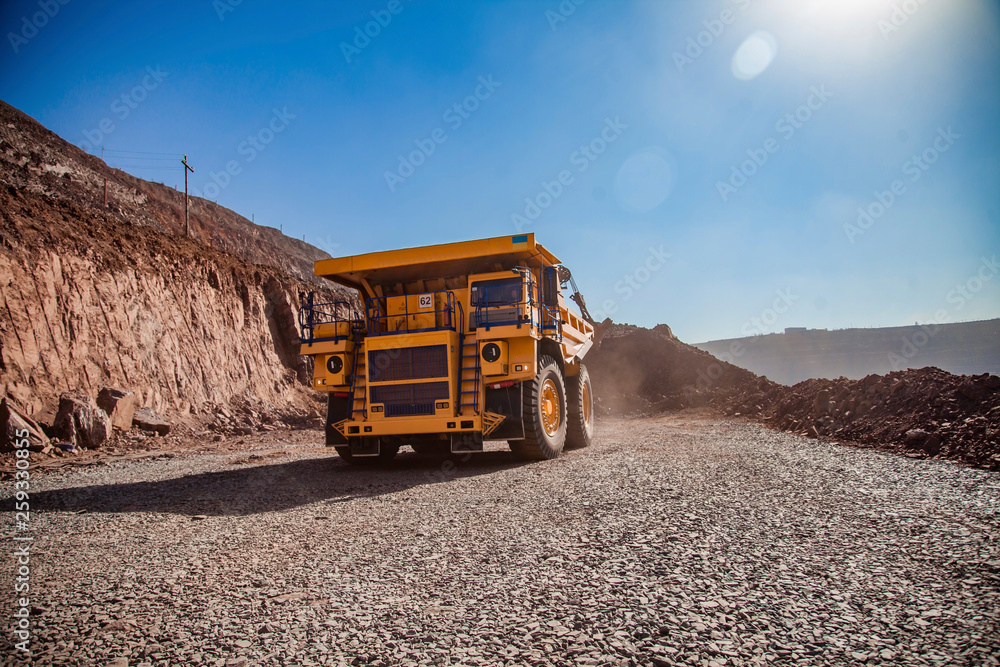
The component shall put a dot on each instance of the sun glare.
(843, 13)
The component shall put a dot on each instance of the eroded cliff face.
(186, 339)
(91, 298)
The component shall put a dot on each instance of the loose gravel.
(681, 540)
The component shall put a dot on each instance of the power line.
(142, 166)
(114, 150)
(147, 159)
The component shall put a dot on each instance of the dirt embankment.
(95, 297)
(921, 413)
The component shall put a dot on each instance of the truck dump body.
(434, 262)
(449, 338)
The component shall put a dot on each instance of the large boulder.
(119, 406)
(917, 438)
(16, 426)
(148, 420)
(80, 421)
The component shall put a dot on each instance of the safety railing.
(413, 313)
(330, 321)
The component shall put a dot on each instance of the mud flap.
(468, 441)
(368, 446)
(336, 411)
(506, 401)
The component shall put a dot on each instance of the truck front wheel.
(545, 416)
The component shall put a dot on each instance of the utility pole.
(187, 168)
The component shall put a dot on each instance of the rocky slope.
(95, 297)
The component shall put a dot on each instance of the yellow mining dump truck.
(458, 343)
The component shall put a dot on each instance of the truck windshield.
(504, 291)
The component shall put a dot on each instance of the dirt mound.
(921, 413)
(924, 412)
(639, 371)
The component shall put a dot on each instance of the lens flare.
(645, 180)
(754, 55)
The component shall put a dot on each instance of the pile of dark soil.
(921, 413)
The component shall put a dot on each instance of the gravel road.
(675, 540)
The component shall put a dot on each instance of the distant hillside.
(966, 348)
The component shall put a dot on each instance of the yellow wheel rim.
(586, 403)
(551, 407)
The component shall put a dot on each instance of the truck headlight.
(334, 364)
(491, 352)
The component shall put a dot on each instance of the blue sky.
(702, 164)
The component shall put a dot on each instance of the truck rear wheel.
(580, 408)
(544, 413)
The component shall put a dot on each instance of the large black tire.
(386, 454)
(580, 409)
(544, 414)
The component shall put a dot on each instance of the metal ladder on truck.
(470, 373)
(359, 374)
